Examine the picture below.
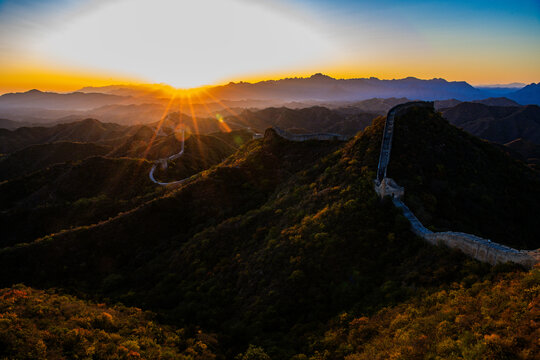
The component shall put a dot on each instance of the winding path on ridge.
(165, 161)
(285, 134)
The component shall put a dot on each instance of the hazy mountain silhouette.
(322, 87)
(530, 94)
(137, 104)
(138, 91)
(500, 124)
(89, 130)
(12, 125)
(54, 101)
(493, 101)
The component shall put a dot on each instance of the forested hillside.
(492, 319)
(37, 324)
(94, 189)
(36, 157)
(275, 242)
(455, 181)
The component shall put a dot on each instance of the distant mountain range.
(325, 88)
(54, 101)
(493, 101)
(530, 94)
(322, 87)
(312, 119)
(516, 127)
(139, 104)
(499, 124)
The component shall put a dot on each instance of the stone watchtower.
(389, 187)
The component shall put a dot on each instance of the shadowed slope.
(454, 181)
(36, 157)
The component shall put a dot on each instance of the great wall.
(305, 137)
(165, 161)
(474, 246)
(479, 248)
(285, 134)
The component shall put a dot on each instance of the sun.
(185, 43)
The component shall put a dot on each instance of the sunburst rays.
(160, 123)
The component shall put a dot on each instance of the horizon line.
(516, 84)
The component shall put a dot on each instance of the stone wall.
(483, 249)
(305, 137)
(416, 225)
(472, 245)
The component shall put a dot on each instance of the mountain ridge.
(243, 249)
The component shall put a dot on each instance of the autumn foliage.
(492, 319)
(37, 324)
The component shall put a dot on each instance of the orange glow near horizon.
(74, 44)
(57, 80)
(481, 74)
(27, 76)
(69, 81)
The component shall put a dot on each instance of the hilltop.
(527, 95)
(458, 182)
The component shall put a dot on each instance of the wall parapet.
(483, 249)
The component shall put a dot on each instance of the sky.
(62, 45)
